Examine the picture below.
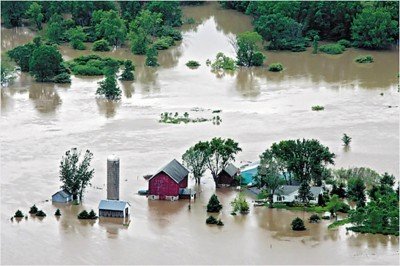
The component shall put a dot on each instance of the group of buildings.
(171, 183)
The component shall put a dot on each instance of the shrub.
(220, 223)
(364, 59)
(151, 57)
(62, 78)
(332, 48)
(214, 204)
(298, 224)
(57, 213)
(41, 214)
(190, 21)
(240, 204)
(275, 67)
(317, 108)
(321, 200)
(192, 64)
(223, 62)
(128, 71)
(211, 220)
(92, 215)
(109, 88)
(33, 210)
(78, 45)
(93, 65)
(298, 47)
(164, 43)
(85, 215)
(101, 45)
(314, 218)
(87, 70)
(18, 214)
(171, 32)
(344, 43)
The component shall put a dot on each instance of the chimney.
(112, 177)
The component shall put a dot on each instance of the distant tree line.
(291, 25)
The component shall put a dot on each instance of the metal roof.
(287, 190)
(175, 170)
(113, 205)
(63, 193)
(231, 170)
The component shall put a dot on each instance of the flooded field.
(39, 122)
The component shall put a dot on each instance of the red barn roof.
(175, 170)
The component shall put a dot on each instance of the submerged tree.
(195, 160)
(151, 57)
(128, 71)
(213, 204)
(75, 172)
(109, 88)
(77, 36)
(45, 63)
(346, 140)
(247, 50)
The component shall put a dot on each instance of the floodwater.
(39, 122)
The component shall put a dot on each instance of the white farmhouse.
(290, 194)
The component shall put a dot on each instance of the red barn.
(227, 176)
(166, 183)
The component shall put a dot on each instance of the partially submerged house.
(62, 196)
(114, 208)
(227, 176)
(168, 182)
(290, 193)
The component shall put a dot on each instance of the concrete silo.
(112, 177)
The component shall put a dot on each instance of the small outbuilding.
(114, 208)
(227, 176)
(62, 196)
(166, 183)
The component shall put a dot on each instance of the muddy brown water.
(39, 122)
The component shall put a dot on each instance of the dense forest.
(290, 25)
(149, 26)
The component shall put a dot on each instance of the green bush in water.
(211, 220)
(101, 45)
(171, 32)
(298, 224)
(33, 210)
(41, 214)
(213, 204)
(332, 48)
(85, 215)
(275, 67)
(18, 214)
(364, 59)
(62, 78)
(317, 108)
(192, 64)
(164, 43)
(344, 43)
(57, 213)
(314, 218)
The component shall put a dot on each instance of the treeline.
(108, 22)
(291, 25)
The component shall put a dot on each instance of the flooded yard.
(40, 121)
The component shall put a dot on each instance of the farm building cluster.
(171, 183)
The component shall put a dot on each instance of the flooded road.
(39, 122)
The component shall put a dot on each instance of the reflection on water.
(258, 107)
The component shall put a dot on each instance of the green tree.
(304, 159)
(22, 54)
(315, 44)
(139, 42)
(334, 205)
(356, 191)
(213, 204)
(195, 160)
(75, 172)
(34, 13)
(54, 32)
(12, 12)
(45, 63)
(374, 28)
(128, 71)
(247, 50)
(130, 9)
(170, 11)
(76, 37)
(346, 140)
(110, 26)
(305, 192)
(6, 69)
(282, 32)
(109, 88)
(151, 57)
(148, 22)
(219, 153)
(269, 175)
(298, 224)
(240, 204)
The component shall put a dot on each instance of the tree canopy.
(247, 50)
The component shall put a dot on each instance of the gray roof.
(113, 205)
(63, 193)
(187, 191)
(231, 170)
(287, 190)
(175, 170)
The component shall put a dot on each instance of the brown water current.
(40, 121)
